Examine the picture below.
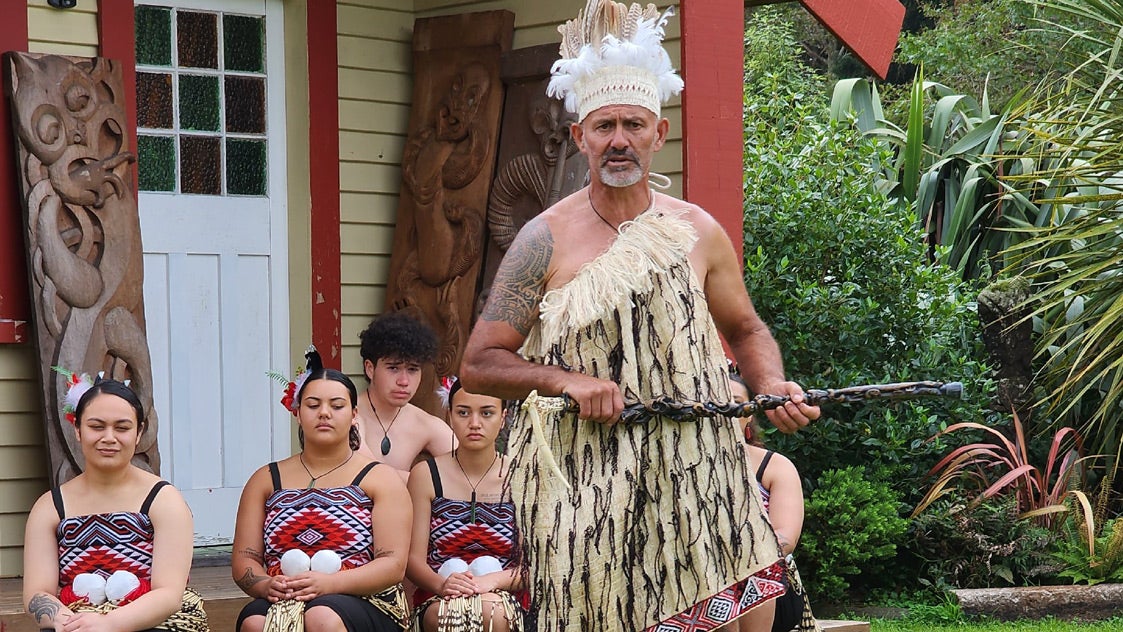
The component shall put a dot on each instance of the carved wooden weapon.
(642, 412)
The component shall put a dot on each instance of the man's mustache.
(614, 154)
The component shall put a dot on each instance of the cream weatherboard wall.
(22, 474)
(375, 91)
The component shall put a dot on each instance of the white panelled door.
(211, 155)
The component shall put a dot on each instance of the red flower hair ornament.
(292, 387)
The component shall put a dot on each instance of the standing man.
(394, 348)
(612, 296)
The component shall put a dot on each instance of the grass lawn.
(1048, 625)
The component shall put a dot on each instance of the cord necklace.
(312, 482)
(472, 509)
(385, 429)
(616, 229)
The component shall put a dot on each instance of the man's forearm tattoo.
(249, 579)
(517, 288)
(43, 606)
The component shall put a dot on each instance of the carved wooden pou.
(538, 162)
(447, 168)
(83, 237)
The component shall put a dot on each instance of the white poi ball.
(455, 565)
(326, 562)
(485, 565)
(90, 586)
(295, 562)
(120, 584)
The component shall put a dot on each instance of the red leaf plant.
(1003, 466)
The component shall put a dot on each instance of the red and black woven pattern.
(334, 518)
(104, 543)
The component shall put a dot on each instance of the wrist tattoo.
(249, 580)
(43, 606)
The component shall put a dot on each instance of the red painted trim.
(323, 176)
(712, 130)
(869, 28)
(117, 41)
(15, 300)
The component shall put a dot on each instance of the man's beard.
(619, 179)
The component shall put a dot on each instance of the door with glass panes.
(210, 128)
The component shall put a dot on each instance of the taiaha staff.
(642, 412)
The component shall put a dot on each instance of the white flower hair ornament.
(77, 384)
(444, 390)
(612, 54)
(312, 362)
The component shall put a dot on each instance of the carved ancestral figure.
(438, 162)
(531, 182)
(83, 230)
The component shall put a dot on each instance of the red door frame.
(15, 302)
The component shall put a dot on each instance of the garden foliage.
(839, 273)
(980, 545)
(851, 525)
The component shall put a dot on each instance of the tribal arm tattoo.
(43, 606)
(249, 579)
(253, 554)
(519, 283)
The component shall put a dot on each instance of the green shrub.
(839, 274)
(980, 546)
(850, 524)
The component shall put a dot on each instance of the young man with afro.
(395, 346)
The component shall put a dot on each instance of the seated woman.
(464, 533)
(782, 492)
(322, 537)
(111, 548)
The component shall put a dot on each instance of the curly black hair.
(398, 336)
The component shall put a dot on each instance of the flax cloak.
(656, 517)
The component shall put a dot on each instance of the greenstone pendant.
(385, 445)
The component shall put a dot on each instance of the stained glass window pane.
(154, 99)
(201, 165)
(245, 167)
(198, 39)
(156, 160)
(245, 105)
(243, 43)
(198, 103)
(153, 36)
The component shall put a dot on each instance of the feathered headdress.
(612, 54)
(312, 362)
(76, 386)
